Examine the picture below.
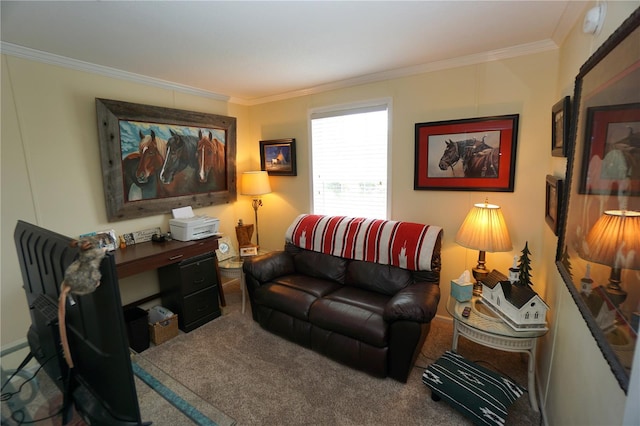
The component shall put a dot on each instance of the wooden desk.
(143, 257)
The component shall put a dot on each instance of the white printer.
(186, 227)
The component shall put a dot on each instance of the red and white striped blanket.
(403, 244)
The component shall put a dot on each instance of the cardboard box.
(462, 292)
(164, 330)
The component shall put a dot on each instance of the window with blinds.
(349, 150)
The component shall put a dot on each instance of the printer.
(186, 227)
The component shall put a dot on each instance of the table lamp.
(614, 240)
(483, 229)
(255, 184)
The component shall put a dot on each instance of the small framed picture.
(552, 202)
(560, 116)
(106, 239)
(248, 251)
(225, 249)
(278, 157)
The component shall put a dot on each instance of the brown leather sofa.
(369, 316)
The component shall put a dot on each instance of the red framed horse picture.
(474, 154)
(156, 159)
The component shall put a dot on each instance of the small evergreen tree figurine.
(525, 266)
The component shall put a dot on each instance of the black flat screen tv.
(101, 386)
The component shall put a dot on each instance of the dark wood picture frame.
(606, 80)
(608, 127)
(560, 125)
(278, 157)
(553, 202)
(473, 154)
(133, 191)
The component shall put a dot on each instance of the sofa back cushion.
(318, 265)
(384, 279)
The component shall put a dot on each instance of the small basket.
(164, 330)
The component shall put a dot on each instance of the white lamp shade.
(484, 229)
(614, 240)
(255, 183)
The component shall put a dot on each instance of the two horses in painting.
(479, 160)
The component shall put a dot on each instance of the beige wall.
(50, 175)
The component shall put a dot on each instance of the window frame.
(342, 109)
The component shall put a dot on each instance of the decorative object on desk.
(103, 239)
(462, 288)
(156, 158)
(553, 202)
(560, 125)
(225, 249)
(524, 267)
(614, 240)
(608, 79)
(484, 229)
(586, 283)
(473, 154)
(278, 157)
(255, 184)
(140, 236)
(517, 304)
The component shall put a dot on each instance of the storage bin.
(137, 329)
(164, 330)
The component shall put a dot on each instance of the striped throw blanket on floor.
(403, 244)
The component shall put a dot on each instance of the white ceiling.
(253, 52)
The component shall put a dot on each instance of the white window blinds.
(349, 162)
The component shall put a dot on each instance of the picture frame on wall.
(155, 159)
(553, 202)
(560, 125)
(278, 157)
(611, 150)
(473, 154)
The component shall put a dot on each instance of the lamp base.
(478, 274)
(616, 295)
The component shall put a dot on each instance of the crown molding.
(74, 64)
(494, 55)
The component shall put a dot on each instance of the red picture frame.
(611, 149)
(473, 154)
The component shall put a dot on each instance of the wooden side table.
(487, 329)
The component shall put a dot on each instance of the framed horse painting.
(156, 159)
(473, 154)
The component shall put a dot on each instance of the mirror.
(598, 252)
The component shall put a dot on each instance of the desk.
(143, 257)
(484, 327)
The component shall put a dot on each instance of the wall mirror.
(599, 247)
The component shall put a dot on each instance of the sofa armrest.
(271, 265)
(417, 302)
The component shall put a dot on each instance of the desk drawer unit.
(190, 289)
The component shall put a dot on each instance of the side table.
(232, 268)
(487, 329)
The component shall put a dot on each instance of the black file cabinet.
(190, 289)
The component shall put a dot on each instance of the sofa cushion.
(349, 320)
(383, 279)
(368, 300)
(285, 299)
(315, 286)
(318, 265)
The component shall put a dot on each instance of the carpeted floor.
(258, 378)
